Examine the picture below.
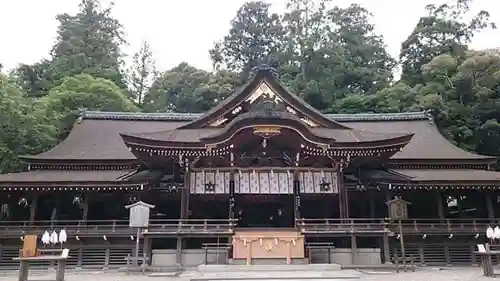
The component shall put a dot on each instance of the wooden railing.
(119, 227)
(203, 227)
(334, 225)
(409, 226)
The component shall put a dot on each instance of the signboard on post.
(398, 209)
(139, 214)
(138, 218)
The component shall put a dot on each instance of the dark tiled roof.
(96, 135)
(180, 135)
(456, 175)
(55, 176)
(168, 116)
(99, 139)
(339, 135)
(427, 141)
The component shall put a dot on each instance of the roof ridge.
(175, 116)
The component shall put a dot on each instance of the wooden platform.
(273, 244)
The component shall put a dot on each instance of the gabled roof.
(96, 135)
(181, 137)
(263, 82)
(263, 101)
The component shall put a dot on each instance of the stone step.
(267, 267)
(268, 261)
(276, 275)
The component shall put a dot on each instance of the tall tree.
(89, 42)
(333, 52)
(370, 65)
(255, 37)
(77, 93)
(142, 73)
(35, 79)
(470, 90)
(22, 131)
(187, 89)
(443, 30)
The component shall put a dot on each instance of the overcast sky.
(184, 30)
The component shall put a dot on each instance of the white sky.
(184, 30)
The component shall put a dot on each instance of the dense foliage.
(329, 55)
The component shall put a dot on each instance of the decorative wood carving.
(266, 131)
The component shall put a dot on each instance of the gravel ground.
(427, 274)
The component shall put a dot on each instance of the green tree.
(35, 79)
(78, 93)
(89, 42)
(255, 37)
(142, 73)
(443, 30)
(333, 52)
(187, 89)
(470, 92)
(22, 131)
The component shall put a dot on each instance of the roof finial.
(264, 68)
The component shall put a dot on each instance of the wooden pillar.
(34, 202)
(373, 211)
(178, 253)
(146, 253)
(388, 197)
(354, 249)
(440, 206)
(343, 204)
(232, 201)
(346, 202)
(85, 208)
(385, 242)
(489, 207)
(296, 194)
(55, 210)
(184, 212)
(185, 192)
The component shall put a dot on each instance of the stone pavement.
(426, 274)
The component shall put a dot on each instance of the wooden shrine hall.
(261, 177)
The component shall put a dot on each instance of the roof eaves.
(134, 116)
(171, 116)
(403, 116)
